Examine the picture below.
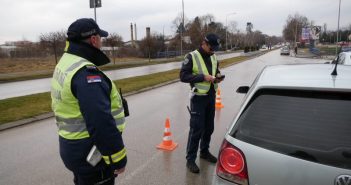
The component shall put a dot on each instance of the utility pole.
(95, 4)
(337, 33)
(181, 30)
(95, 12)
(295, 32)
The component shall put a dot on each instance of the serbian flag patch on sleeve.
(94, 79)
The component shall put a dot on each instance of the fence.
(168, 54)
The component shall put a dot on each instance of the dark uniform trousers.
(201, 124)
(104, 177)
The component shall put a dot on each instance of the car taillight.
(231, 165)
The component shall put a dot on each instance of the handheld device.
(220, 77)
(94, 156)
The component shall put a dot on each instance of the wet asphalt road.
(29, 154)
(22, 88)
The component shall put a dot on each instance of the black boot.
(208, 157)
(191, 165)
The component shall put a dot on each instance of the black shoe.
(191, 165)
(208, 157)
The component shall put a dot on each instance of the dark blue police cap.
(84, 28)
(213, 40)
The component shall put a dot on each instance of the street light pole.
(95, 4)
(295, 45)
(181, 30)
(226, 30)
(337, 33)
(95, 12)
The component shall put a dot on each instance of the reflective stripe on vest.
(115, 157)
(199, 67)
(60, 77)
(79, 125)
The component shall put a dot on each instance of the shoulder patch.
(186, 61)
(94, 79)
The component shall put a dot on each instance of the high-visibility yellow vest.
(199, 67)
(69, 119)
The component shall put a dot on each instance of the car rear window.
(310, 125)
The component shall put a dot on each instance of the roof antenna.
(335, 73)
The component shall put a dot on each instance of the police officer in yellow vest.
(200, 69)
(88, 108)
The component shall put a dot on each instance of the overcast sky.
(27, 19)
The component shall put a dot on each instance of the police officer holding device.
(88, 108)
(200, 70)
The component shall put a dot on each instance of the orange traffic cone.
(167, 143)
(219, 104)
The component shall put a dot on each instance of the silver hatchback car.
(285, 50)
(294, 128)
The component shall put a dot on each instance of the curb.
(151, 87)
(26, 121)
(305, 56)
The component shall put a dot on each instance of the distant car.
(285, 50)
(293, 128)
(343, 58)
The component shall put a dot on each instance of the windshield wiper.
(303, 155)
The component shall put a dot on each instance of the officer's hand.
(209, 78)
(119, 171)
(218, 80)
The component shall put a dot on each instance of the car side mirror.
(243, 89)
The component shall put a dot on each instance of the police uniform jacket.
(95, 105)
(186, 74)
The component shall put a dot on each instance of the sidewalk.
(303, 53)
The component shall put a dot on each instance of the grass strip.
(23, 107)
(230, 61)
(46, 74)
(140, 82)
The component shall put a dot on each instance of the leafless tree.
(200, 26)
(114, 40)
(293, 26)
(196, 32)
(206, 20)
(176, 23)
(55, 41)
(28, 50)
(232, 28)
(149, 46)
(3, 53)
